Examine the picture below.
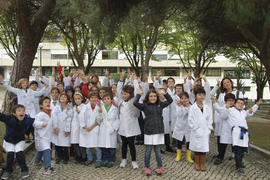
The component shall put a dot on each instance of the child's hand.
(67, 134)
(122, 75)
(106, 72)
(153, 78)
(46, 85)
(140, 90)
(100, 110)
(178, 102)
(158, 74)
(56, 131)
(213, 99)
(89, 129)
(250, 111)
(111, 76)
(218, 83)
(53, 71)
(76, 109)
(260, 101)
(44, 125)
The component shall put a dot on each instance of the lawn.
(2, 132)
(259, 134)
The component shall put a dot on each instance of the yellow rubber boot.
(178, 155)
(189, 159)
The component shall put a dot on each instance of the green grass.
(259, 134)
(2, 132)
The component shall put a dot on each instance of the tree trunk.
(259, 90)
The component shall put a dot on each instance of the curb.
(260, 150)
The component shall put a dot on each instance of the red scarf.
(48, 112)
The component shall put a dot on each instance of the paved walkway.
(257, 167)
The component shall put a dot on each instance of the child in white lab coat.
(200, 122)
(182, 129)
(90, 118)
(54, 97)
(62, 116)
(79, 153)
(107, 138)
(43, 133)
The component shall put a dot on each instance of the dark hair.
(80, 87)
(55, 88)
(43, 99)
(33, 82)
(96, 76)
(222, 89)
(93, 93)
(146, 99)
(199, 90)
(229, 96)
(16, 107)
(130, 90)
(240, 99)
(179, 85)
(165, 81)
(64, 94)
(69, 88)
(171, 79)
(108, 94)
(184, 94)
(60, 83)
(91, 89)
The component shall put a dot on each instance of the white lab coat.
(75, 125)
(88, 117)
(173, 114)
(62, 121)
(201, 125)
(166, 120)
(27, 98)
(108, 128)
(182, 128)
(218, 118)
(237, 118)
(56, 104)
(43, 135)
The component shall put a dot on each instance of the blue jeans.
(90, 156)
(148, 149)
(109, 154)
(46, 156)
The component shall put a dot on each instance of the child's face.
(46, 104)
(24, 84)
(178, 90)
(94, 90)
(125, 95)
(101, 93)
(63, 99)
(78, 99)
(239, 104)
(54, 95)
(230, 102)
(185, 100)
(90, 85)
(70, 93)
(114, 89)
(60, 87)
(19, 113)
(165, 85)
(152, 98)
(200, 97)
(93, 100)
(170, 83)
(107, 100)
(77, 90)
(34, 87)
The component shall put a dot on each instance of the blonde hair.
(19, 83)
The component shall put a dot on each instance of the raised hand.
(67, 134)
(106, 72)
(178, 102)
(250, 111)
(213, 99)
(122, 75)
(140, 90)
(260, 101)
(44, 125)
(56, 131)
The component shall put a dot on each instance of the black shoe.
(240, 171)
(105, 163)
(231, 158)
(109, 164)
(215, 156)
(88, 162)
(57, 161)
(218, 161)
(65, 162)
(162, 151)
(169, 149)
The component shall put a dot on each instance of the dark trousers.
(62, 153)
(20, 160)
(79, 152)
(128, 141)
(238, 156)
(222, 151)
(108, 154)
(218, 144)
(180, 143)
(167, 141)
(141, 124)
(200, 153)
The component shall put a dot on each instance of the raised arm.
(168, 102)
(136, 103)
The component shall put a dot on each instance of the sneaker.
(98, 164)
(109, 164)
(49, 171)
(218, 161)
(5, 175)
(159, 171)
(240, 171)
(147, 171)
(88, 162)
(25, 174)
(105, 163)
(123, 163)
(134, 165)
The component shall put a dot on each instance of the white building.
(49, 53)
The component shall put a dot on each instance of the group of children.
(77, 114)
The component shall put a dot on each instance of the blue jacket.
(15, 129)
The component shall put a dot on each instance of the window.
(245, 74)
(109, 54)
(59, 54)
(171, 72)
(213, 72)
(47, 71)
(159, 57)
